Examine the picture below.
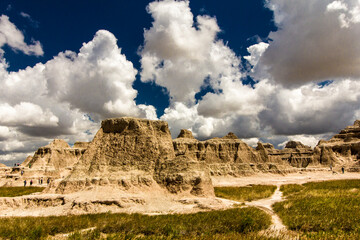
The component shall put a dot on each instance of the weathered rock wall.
(342, 150)
(130, 153)
(231, 156)
(53, 161)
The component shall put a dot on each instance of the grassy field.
(322, 210)
(247, 193)
(243, 223)
(18, 191)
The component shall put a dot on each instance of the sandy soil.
(145, 201)
(277, 179)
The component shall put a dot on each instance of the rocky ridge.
(342, 150)
(132, 154)
(54, 161)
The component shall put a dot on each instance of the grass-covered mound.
(322, 210)
(18, 191)
(247, 193)
(225, 224)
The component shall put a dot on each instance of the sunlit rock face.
(132, 153)
(342, 150)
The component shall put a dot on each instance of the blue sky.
(256, 68)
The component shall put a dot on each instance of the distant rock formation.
(184, 133)
(342, 150)
(295, 154)
(54, 160)
(131, 153)
(3, 170)
(225, 156)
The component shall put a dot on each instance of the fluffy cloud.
(67, 96)
(312, 109)
(27, 114)
(315, 41)
(100, 71)
(4, 133)
(309, 140)
(268, 110)
(180, 116)
(347, 16)
(10, 35)
(180, 54)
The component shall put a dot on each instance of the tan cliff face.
(295, 154)
(227, 155)
(55, 156)
(231, 156)
(53, 161)
(130, 153)
(2, 165)
(342, 150)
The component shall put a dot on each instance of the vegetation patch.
(322, 210)
(18, 191)
(247, 193)
(232, 222)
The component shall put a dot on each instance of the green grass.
(226, 224)
(247, 193)
(18, 191)
(119, 236)
(322, 210)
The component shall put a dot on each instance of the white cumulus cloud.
(12, 36)
(180, 54)
(67, 97)
(311, 44)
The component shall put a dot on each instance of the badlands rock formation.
(130, 153)
(295, 154)
(54, 161)
(231, 156)
(342, 150)
(4, 170)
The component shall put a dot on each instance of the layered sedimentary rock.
(295, 154)
(4, 170)
(54, 160)
(130, 153)
(225, 156)
(341, 150)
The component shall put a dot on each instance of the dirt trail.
(265, 204)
